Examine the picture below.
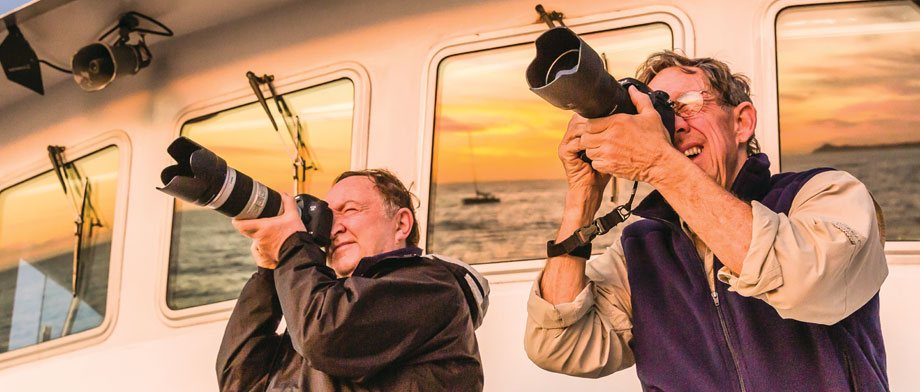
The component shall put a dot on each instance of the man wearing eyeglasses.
(732, 279)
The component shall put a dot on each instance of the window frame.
(682, 35)
(896, 252)
(284, 84)
(93, 336)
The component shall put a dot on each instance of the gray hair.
(730, 89)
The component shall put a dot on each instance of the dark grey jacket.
(401, 322)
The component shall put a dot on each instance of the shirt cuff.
(549, 316)
(760, 272)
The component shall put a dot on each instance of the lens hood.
(569, 74)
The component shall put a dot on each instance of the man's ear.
(744, 120)
(404, 223)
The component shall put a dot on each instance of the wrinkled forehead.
(676, 81)
(356, 189)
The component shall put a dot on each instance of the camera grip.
(316, 217)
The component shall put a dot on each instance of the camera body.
(316, 217)
(203, 178)
(569, 74)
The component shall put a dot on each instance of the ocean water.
(517, 228)
(209, 260)
(891, 175)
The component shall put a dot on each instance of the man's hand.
(586, 185)
(628, 146)
(578, 173)
(261, 260)
(564, 276)
(269, 233)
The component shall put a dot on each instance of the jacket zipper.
(731, 349)
(715, 300)
(722, 323)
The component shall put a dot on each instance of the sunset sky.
(848, 75)
(37, 218)
(483, 100)
(245, 138)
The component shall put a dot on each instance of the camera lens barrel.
(244, 198)
(202, 178)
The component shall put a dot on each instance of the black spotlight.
(19, 60)
(96, 65)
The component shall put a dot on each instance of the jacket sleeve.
(588, 337)
(822, 261)
(250, 343)
(353, 328)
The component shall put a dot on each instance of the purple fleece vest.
(686, 338)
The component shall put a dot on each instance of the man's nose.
(680, 125)
(337, 227)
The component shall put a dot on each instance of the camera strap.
(579, 243)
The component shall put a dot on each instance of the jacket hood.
(475, 286)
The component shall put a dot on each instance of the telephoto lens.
(569, 74)
(201, 177)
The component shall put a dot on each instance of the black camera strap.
(579, 243)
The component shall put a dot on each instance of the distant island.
(827, 147)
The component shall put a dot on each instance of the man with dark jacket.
(383, 317)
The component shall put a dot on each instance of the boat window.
(46, 294)
(209, 261)
(848, 92)
(497, 186)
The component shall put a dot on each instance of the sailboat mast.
(469, 137)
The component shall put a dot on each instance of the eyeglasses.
(690, 103)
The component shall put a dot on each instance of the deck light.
(96, 65)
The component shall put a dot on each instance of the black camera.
(569, 74)
(203, 178)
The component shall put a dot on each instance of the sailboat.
(481, 197)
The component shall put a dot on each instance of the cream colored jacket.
(819, 264)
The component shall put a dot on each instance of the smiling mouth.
(335, 248)
(693, 152)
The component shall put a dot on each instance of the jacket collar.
(751, 183)
(369, 262)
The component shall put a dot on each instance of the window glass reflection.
(848, 93)
(497, 185)
(40, 294)
(209, 261)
